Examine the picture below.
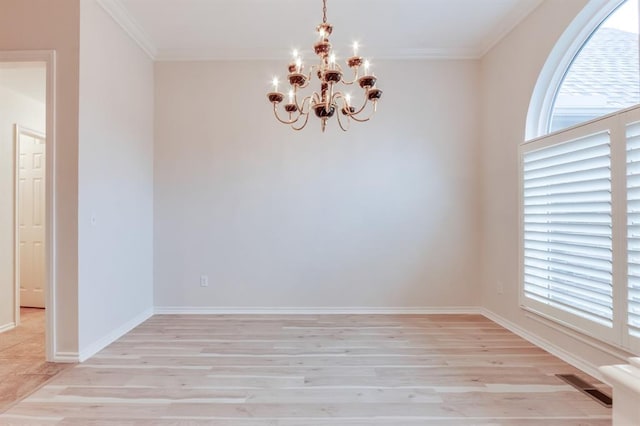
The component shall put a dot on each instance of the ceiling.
(270, 29)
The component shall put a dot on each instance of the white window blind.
(567, 227)
(633, 228)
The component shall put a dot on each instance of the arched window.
(580, 179)
(605, 74)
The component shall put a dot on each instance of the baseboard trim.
(97, 346)
(568, 357)
(66, 357)
(89, 351)
(7, 327)
(193, 310)
(610, 349)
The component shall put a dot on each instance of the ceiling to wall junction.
(270, 29)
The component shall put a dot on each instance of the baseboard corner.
(7, 327)
(95, 347)
(66, 357)
(555, 350)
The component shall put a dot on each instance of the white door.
(31, 217)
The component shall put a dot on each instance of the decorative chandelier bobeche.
(329, 72)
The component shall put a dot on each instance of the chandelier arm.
(344, 129)
(306, 119)
(356, 75)
(306, 83)
(364, 105)
(311, 68)
(275, 112)
(301, 105)
(309, 100)
(328, 101)
(362, 120)
(314, 97)
(308, 79)
(337, 96)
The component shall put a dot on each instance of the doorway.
(26, 198)
(30, 214)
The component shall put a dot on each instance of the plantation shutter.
(567, 228)
(633, 228)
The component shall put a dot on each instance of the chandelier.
(330, 99)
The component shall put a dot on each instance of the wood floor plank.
(316, 370)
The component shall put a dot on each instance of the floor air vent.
(586, 388)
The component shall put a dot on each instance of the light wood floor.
(23, 367)
(313, 371)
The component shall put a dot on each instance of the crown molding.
(121, 15)
(506, 25)
(253, 54)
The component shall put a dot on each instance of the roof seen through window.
(605, 75)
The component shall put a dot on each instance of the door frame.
(18, 131)
(49, 58)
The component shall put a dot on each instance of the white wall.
(115, 180)
(15, 108)
(382, 216)
(509, 73)
(45, 24)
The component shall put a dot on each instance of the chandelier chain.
(324, 11)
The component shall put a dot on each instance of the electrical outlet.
(204, 281)
(499, 287)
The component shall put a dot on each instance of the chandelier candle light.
(325, 103)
